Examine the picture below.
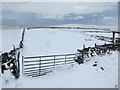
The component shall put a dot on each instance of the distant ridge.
(66, 26)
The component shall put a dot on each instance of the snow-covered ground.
(0, 54)
(74, 76)
(55, 41)
(0, 80)
(10, 37)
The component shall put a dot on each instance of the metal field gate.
(41, 65)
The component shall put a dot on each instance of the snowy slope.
(10, 37)
(75, 76)
(0, 80)
(0, 54)
(49, 41)
(0, 40)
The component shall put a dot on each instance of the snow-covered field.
(55, 41)
(74, 76)
(10, 37)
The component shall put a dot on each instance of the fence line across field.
(41, 65)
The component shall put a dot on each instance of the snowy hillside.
(113, 28)
(74, 76)
(10, 37)
(39, 42)
(50, 41)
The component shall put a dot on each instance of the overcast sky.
(49, 13)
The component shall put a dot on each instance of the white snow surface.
(55, 41)
(0, 80)
(39, 42)
(10, 37)
(74, 76)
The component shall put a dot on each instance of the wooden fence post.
(23, 34)
(95, 44)
(83, 46)
(113, 37)
(18, 62)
